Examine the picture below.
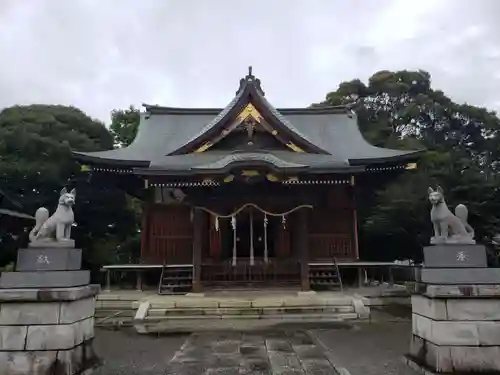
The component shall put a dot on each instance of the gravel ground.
(369, 349)
(363, 349)
(125, 352)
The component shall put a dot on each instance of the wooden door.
(171, 235)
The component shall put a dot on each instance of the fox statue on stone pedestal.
(449, 228)
(58, 226)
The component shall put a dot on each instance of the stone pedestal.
(47, 314)
(457, 265)
(45, 267)
(456, 312)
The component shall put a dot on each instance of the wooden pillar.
(354, 217)
(145, 231)
(303, 242)
(197, 245)
(356, 244)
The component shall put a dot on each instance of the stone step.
(200, 323)
(205, 302)
(122, 313)
(285, 310)
(113, 305)
(198, 313)
(207, 318)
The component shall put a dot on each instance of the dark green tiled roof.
(220, 161)
(161, 134)
(165, 136)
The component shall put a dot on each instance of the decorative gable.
(249, 130)
(251, 112)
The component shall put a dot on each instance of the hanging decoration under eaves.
(233, 214)
(241, 208)
(232, 217)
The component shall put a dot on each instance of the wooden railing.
(275, 271)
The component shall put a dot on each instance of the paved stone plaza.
(363, 349)
(275, 352)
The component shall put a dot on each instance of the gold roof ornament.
(229, 178)
(250, 111)
(272, 178)
(294, 147)
(85, 168)
(204, 147)
(250, 173)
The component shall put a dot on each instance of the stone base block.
(457, 291)
(460, 275)
(77, 360)
(44, 279)
(47, 331)
(49, 259)
(454, 255)
(457, 332)
(45, 336)
(49, 294)
(43, 313)
(455, 359)
(456, 329)
(456, 309)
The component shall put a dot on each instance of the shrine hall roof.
(7, 205)
(220, 162)
(165, 134)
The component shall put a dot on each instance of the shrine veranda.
(248, 194)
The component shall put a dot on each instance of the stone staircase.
(192, 313)
(114, 310)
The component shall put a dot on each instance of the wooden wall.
(331, 233)
(331, 227)
(170, 235)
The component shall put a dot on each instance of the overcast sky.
(104, 54)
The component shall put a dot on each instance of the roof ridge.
(158, 109)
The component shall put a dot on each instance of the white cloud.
(100, 55)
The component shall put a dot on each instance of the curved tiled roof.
(167, 131)
(222, 162)
(159, 135)
(217, 118)
(250, 157)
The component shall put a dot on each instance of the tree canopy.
(124, 125)
(402, 110)
(35, 163)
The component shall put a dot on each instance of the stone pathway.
(234, 353)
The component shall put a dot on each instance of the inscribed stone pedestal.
(49, 259)
(452, 256)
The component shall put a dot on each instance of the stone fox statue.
(449, 228)
(58, 225)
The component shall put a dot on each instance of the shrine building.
(248, 194)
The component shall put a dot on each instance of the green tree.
(401, 110)
(36, 162)
(124, 125)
